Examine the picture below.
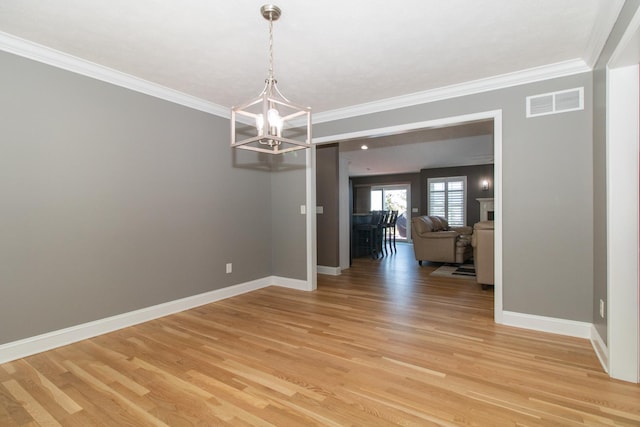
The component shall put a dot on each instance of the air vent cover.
(555, 102)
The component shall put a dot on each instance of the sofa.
(434, 240)
(483, 249)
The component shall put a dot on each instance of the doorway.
(495, 117)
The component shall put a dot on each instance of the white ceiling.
(329, 54)
(461, 145)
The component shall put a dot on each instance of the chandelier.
(270, 123)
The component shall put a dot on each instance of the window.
(448, 198)
(393, 198)
(376, 200)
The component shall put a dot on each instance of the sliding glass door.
(394, 198)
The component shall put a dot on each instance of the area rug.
(456, 271)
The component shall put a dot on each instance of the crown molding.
(608, 15)
(46, 55)
(531, 75)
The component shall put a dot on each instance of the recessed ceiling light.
(364, 147)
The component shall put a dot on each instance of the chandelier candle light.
(270, 123)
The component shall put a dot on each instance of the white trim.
(552, 325)
(37, 344)
(496, 116)
(406, 127)
(27, 49)
(627, 51)
(531, 75)
(285, 282)
(46, 55)
(623, 317)
(607, 17)
(329, 271)
(497, 201)
(28, 346)
(311, 223)
(600, 348)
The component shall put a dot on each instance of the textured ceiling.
(328, 54)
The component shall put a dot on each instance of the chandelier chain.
(271, 48)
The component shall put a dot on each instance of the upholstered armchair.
(434, 240)
(483, 248)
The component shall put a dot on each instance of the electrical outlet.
(229, 267)
(602, 309)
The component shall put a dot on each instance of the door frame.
(496, 117)
(623, 227)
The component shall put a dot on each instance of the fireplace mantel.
(486, 208)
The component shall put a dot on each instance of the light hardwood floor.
(383, 344)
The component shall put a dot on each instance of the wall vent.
(555, 102)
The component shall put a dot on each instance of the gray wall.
(289, 235)
(599, 166)
(475, 175)
(111, 201)
(599, 199)
(327, 186)
(361, 197)
(547, 193)
(114, 201)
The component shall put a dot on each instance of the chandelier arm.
(265, 89)
(275, 86)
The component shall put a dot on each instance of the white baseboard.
(28, 346)
(285, 282)
(331, 271)
(32, 345)
(553, 325)
(601, 349)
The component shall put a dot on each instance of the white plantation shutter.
(437, 198)
(455, 202)
(447, 197)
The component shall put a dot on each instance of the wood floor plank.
(12, 410)
(39, 380)
(31, 405)
(382, 344)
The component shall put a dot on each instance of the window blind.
(447, 198)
